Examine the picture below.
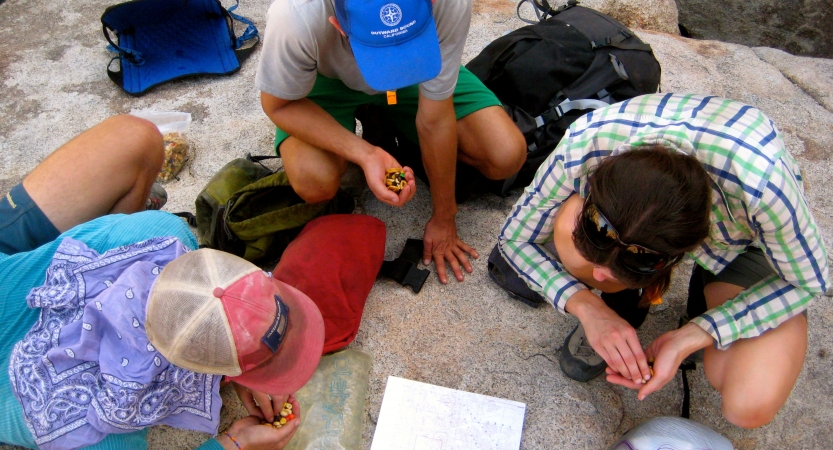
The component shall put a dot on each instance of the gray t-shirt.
(300, 42)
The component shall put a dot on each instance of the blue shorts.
(23, 226)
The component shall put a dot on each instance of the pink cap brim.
(299, 353)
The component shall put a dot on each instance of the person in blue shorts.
(110, 324)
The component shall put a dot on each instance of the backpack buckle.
(607, 41)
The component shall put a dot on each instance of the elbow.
(273, 106)
(434, 126)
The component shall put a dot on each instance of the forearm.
(305, 120)
(437, 130)
(762, 307)
(585, 305)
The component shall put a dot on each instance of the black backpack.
(572, 60)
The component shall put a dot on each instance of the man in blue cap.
(322, 59)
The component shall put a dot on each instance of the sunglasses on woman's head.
(601, 233)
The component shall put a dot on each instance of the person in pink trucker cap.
(212, 312)
(111, 320)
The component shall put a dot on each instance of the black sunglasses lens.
(598, 230)
(643, 262)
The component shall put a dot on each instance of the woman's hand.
(260, 404)
(610, 336)
(667, 353)
(251, 434)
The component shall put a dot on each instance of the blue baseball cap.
(394, 41)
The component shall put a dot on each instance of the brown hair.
(654, 197)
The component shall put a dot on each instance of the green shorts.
(341, 102)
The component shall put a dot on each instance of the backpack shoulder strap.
(248, 34)
(566, 106)
(543, 10)
(617, 41)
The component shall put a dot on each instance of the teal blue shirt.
(21, 272)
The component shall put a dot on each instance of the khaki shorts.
(746, 270)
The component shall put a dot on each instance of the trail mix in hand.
(284, 417)
(395, 180)
(176, 152)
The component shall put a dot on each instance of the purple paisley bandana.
(86, 369)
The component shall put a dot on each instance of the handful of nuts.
(285, 416)
(395, 180)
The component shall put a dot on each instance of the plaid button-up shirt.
(758, 199)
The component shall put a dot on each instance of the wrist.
(444, 214)
(229, 441)
(583, 304)
(363, 153)
(694, 338)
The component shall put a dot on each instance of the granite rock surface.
(801, 27)
(469, 335)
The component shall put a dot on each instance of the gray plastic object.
(672, 433)
(332, 403)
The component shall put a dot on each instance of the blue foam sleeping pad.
(162, 40)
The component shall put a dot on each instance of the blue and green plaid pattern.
(758, 199)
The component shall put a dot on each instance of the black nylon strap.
(259, 158)
(244, 53)
(404, 269)
(116, 76)
(543, 10)
(617, 42)
(189, 217)
(685, 367)
(241, 53)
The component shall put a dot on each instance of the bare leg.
(109, 168)
(755, 376)
(487, 138)
(491, 143)
(314, 174)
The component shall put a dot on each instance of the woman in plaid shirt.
(631, 190)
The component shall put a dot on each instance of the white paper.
(420, 416)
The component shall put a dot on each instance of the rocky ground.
(468, 335)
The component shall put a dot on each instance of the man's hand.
(611, 336)
(309, 123)
(260, 404)
(667, 352)
(374, 166)
(250, 434)
(442, 244)
(437, 130)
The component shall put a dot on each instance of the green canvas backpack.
(250, 211)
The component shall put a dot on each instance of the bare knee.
(505, 160)
(750, 412)
(142, 140)
(314, 187)
(314, 174)
(502, 157)
(491, 142)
